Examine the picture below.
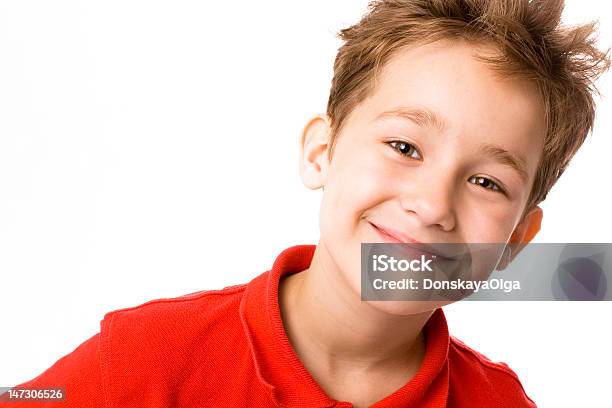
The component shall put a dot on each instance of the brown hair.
(562, 61)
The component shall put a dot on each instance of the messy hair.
(562, 61)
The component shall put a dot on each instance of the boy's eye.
(486, 183)
(405, 149)
(409, 150)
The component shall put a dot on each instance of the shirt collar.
(280, 370)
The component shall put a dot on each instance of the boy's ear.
(521, 236)
(314, 145)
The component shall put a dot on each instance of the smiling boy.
(448, 121)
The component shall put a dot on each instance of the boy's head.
(449, 121)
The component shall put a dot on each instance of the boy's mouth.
(395, 237)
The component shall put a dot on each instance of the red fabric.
(228, 348)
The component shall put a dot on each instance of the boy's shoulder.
(183, 303)
(195, 310)
(473, 371)
(165, 328)
(473, 357)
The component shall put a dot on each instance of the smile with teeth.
(421, 248)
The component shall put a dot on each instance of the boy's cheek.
(490, 225)
(355, 188)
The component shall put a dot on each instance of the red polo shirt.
(228, 348)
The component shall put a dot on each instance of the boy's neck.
(341, 339)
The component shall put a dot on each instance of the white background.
(143, 143)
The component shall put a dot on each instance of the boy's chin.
(407, 307)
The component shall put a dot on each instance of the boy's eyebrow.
(505, 157)
(421, 116)
(427, 118)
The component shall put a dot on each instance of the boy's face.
(393, 170)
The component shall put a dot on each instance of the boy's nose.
(431, 204)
